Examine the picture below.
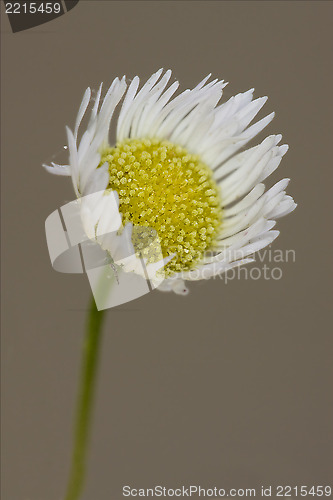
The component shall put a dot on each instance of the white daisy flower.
(178, 167)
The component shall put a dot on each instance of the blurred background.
(230, 386)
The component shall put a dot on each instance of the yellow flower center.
(163, 187)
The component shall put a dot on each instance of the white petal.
(56, 169)
(99, 180)
(82, 110)
(133, 106)
(245, 202)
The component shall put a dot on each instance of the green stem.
(84, 406)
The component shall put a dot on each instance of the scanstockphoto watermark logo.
(187, 491)
(26, 14)
(215, 492)
(79, 241)
(130, 258)
(267, 264)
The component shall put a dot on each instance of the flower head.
(180, 170)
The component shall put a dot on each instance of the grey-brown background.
(230, 386)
